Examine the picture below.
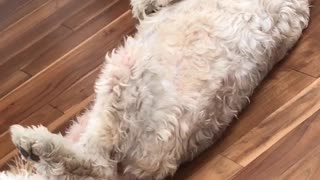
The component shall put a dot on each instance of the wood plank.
(77, 92)
(220, 168)
(280, 86)
(16, 78)
(38, 31)
(43, 116)
(55, 53)
(8, 7)
(11, 34)
(276, 126)
(61, 3)
(276, 161)
(44, 87)
(305, 57)
(18, 12)
(43, 52)
(88, 13)
(10, 76)
(307, 168)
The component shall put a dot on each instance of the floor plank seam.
(104, 9)
(231, 160)
(55, 108)
(63, 25)
(62, 57)
(73, 85)
(22, 70)
(77, 47)
(294, 69)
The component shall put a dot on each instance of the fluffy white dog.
(170, 91)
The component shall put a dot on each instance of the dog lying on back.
(170, 91)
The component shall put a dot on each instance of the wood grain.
(88, 13)
(10, 69)
(77, 92)
(7, 8)
(287, 153)
(46, 26)
(9, 36)
(12, 81)
(17, 10)
(79, 36)
(305, 58)
(307, 168)
(276, 126)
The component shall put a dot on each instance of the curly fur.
(172, 89)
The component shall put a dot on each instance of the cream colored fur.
(172, 89)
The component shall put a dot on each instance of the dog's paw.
(142, 8)
(33, 143)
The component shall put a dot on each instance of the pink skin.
(77, 128)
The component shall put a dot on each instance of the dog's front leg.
(54, 156)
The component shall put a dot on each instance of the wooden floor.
(51, 52)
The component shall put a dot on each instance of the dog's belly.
(208, 62)
(219, 40)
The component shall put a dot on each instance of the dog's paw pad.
(34, 157)
(24, 153)
(28, 154)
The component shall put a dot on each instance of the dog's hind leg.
(141, 8)
(54, 156)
